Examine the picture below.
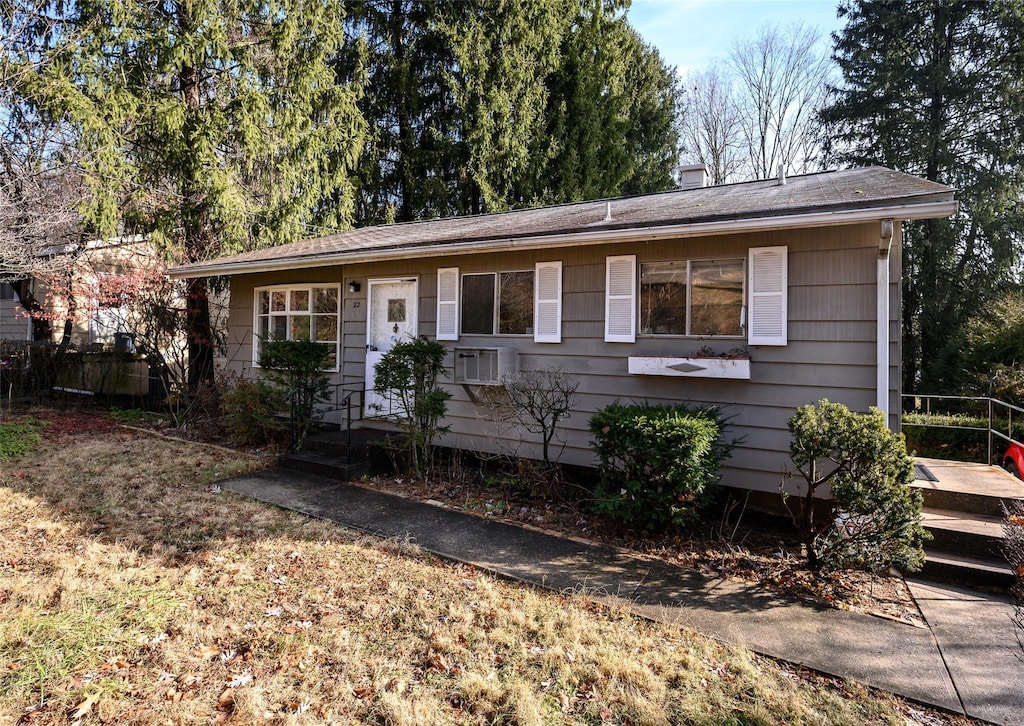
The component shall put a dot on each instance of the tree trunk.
(198, 328)
(200, 334)
(42, 328)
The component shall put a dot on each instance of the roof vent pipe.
(782, 173)
(608, 212)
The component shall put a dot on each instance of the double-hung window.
(519, 302)
(298, 312)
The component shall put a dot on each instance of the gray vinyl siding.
(831, 351)
(13, 321)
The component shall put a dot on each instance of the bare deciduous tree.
(782, 77)
(39, 222)
(711, 127)
(40, 187)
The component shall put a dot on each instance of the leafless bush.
(540, 399)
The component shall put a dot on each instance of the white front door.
(391, 316)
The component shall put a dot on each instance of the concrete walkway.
(967, 660)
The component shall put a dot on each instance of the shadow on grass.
(167, 498)
(149, 493)
(507, 550)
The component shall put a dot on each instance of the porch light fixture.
(354, 286)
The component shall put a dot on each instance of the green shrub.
(133, 416)
(297, 368)
(658, 465)
(926, 435)
(983, 356)
(18, 439)
(873, 518)
(250, 407)
(407, 375)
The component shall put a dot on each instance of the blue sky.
(692, 33)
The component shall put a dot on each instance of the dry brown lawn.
(134, 591)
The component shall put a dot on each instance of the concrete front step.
(969, 502)
(967, 487)
(966, 533)
(339, 468)
(966, 549)
(963, 509)
(976, 572)
(336, 441)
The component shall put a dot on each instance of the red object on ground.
(1013, 460)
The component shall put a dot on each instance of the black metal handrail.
(347, 403)
(344, 404)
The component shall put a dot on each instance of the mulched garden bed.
(754, 550)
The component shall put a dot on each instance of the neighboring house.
(792, 286)
(85, 291)
(14, 320)
(95, 318)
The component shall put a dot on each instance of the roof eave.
(917, 210)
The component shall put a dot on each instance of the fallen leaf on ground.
(83, 708)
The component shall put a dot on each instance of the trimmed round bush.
(658, 465)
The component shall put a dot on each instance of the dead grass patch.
(134, 591)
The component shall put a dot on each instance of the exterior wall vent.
(694, 176)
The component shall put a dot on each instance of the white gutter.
(926, 210)
(882, 315)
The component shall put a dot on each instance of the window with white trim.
(497, 303)
(6, 291)
(692, 297)
(298, 312)
(727, 298)
(520, 302)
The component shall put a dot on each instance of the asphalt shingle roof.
(853, 189)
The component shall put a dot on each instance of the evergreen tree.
(504, 53)
(212, 126)
(613, 111)
(485, 105)
(934, 88)
(412, 164)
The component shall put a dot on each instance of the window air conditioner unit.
(485, 366)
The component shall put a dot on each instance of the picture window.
(696, 297)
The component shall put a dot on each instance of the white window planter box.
(733, 368)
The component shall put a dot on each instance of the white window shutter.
(767, 296)
(620, 299)
(547, 302)
(448, 303)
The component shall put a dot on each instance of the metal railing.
(341, 403)
(999, 415)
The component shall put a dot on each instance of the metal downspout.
(882, 363)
